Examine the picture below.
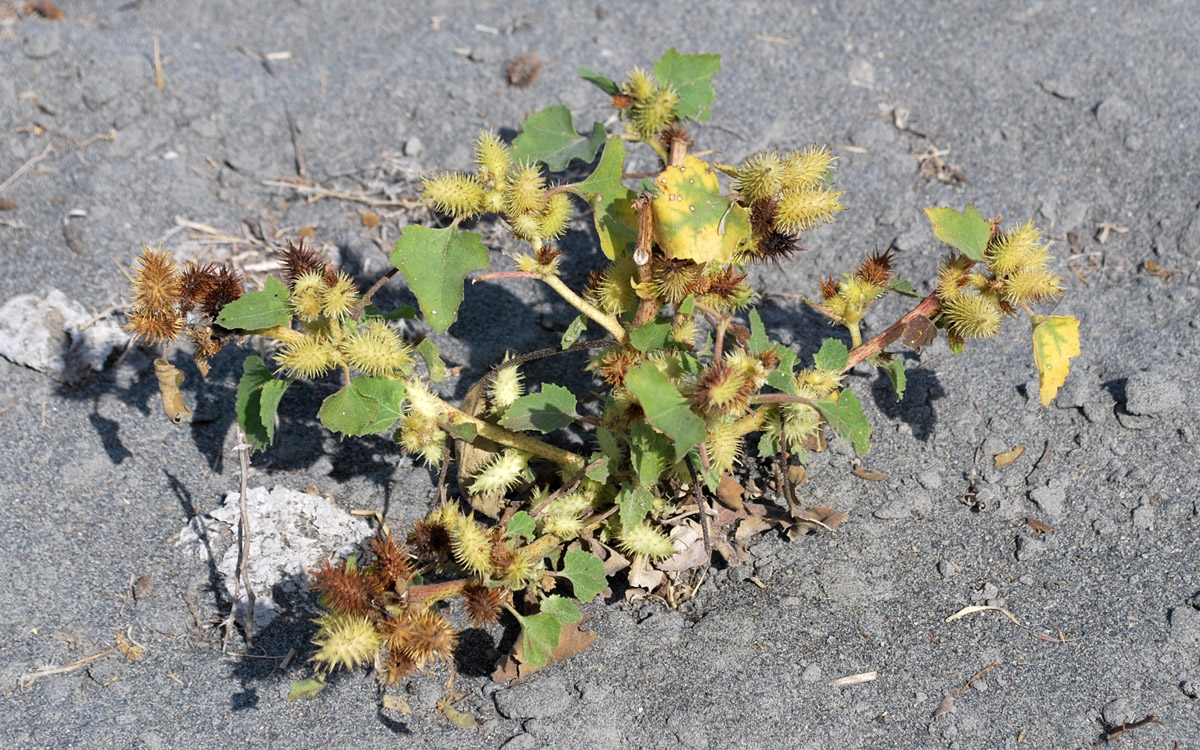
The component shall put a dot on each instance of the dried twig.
(25, 168)
(26, 680)
(242, 575)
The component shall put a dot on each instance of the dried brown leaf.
(871, 475)
(730, 493)
(7, 205)
(523, 69)
(1007, 458)
(919, 333)
(1037, 526)
(369, 219)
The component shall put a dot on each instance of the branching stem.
(928, 307)
(512, 439)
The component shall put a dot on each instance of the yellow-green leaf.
(691, 219)
(612, 203)
(1055, 341)
(967, 232)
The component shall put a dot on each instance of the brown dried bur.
(523, 69)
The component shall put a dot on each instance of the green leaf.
(599, 472)
(691, 77)
(649, 454)
(305, 688)
(539, 637)
(759, 342)
(651, 336)
(585, 571)
(968, 232)
(767, 446)
(612, 203)
(549, 136)
(365, 406)
(634, 504)
(606, 439)
(844, 413)
(688, 306)
(782, 378)
(552, 408)
(895, 372)
(833, 356)
(407, 312)
(435, 263)
(465, 432)
(665, 409)
(433, 360)
(521, 524)
(606, 84)
(258, 396)
(574, 331)
(564, 610)
(258, 310)
(900, 286)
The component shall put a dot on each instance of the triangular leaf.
(611, 202)
(435, 263)
(782, 378)
(691, 77)
(634, 504)
(692, 220)
(549, 136)
(552, 408)
(758, 342)
(967, 232)
(585, 571)
(1055, 341)
(599, 472)
(649, 453)
(833, 356)
(433, 360)
(365, 406)
(539, 636)
(895, 372)
(307, 688)
(566, 610)
(258, 310)
(844, 413)
(574, 331)
(651, 336)
(665, 408)
(606, 84)
(521, 524)
(258, 396)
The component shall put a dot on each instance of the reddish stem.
(505, 275)
(929, 307)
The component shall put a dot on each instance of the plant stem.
(782, 398)
(606, 321)
(285, 334)
(431, 593)
(855, 334)
(928, 307)
(517, 440)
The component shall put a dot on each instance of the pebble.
(523, 742)
(1051, 498)
(946, 569)
(41, 40)
(1117, 712)
(542, 697)
(1189, 238)
(1152, 392)
(1190, 688)
(1143, 517)
(1185, 626)
(98, 92)
(811, 673)
(1029, 548)
(930, 479)
(1114, 112)
(1062, 88)
(413, 146)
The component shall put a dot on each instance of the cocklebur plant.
(690, 385)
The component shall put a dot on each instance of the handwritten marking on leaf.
(1055, 342)
(967, 232)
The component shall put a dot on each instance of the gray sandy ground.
(1079, 115)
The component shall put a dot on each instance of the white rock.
(51, 334)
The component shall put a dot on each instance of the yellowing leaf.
(1055, 341)
(691, 219)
